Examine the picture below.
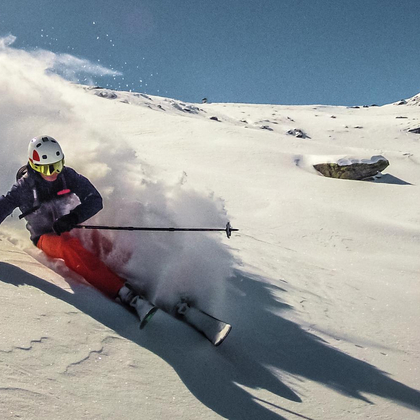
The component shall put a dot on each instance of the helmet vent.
(45, 139)
(44, 156)
(58, 153)
(39, 144)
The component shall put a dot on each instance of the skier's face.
(50, 178)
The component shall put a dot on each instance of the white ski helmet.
(45, 155)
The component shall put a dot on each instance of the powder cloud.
(36, 99)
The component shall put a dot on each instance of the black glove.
(65, 223)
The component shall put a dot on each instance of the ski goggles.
(51, 169)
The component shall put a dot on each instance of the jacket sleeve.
(13, 199)
(6, 207)
(90, 199)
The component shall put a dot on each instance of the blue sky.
(347, 52)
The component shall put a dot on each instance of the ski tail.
(148, 316)
(137, 303)
(212, 328)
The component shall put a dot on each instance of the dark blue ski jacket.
(42, 202)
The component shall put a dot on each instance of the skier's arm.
(6, 207)
(90, 199)
(11, 200)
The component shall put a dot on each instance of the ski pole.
(228, 229)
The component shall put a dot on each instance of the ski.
(145, 311)
(212, 328)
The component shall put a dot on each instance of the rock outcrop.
(352, 168)
(297, 132)
(414, 130)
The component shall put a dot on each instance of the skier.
(54, 198)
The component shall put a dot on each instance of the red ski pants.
(81, 261)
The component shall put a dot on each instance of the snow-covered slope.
(320, 283)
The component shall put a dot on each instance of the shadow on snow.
(261, 342)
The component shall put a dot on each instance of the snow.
(320, 283)
(351, 161)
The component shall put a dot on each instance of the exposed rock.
(402, 102)
(177, 106)
(214, 119)
(192, 109)
(146, 96)
(414, 130)
(353, 169)
(415, 100)
(185, 108)
(107, 94)
(297, 132)
(266, 127)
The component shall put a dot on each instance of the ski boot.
(142, 307)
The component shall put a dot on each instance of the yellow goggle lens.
(53, 168)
